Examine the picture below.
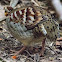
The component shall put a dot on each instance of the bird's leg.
(43, 45)
(20, 51)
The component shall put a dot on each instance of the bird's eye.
(47, 26)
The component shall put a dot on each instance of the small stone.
(60, 58)
(2, 48)
(51, 58)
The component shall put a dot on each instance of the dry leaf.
(1, 39)
(59, 38)
(14, 57)
(57, 43)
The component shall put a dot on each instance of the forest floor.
(9, 45)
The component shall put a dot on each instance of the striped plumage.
(27, 16)
(31, 25)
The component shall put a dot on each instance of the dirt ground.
(9, 45)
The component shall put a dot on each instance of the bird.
(31, 24)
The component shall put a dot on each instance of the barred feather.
(26, 25)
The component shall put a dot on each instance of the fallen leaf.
(14, 57)
(57, 43)
(1, 39)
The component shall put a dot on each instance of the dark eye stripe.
(14, 16)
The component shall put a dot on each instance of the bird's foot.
(17, 52)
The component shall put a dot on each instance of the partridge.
(32, 24)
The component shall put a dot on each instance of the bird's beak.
(6, 13)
